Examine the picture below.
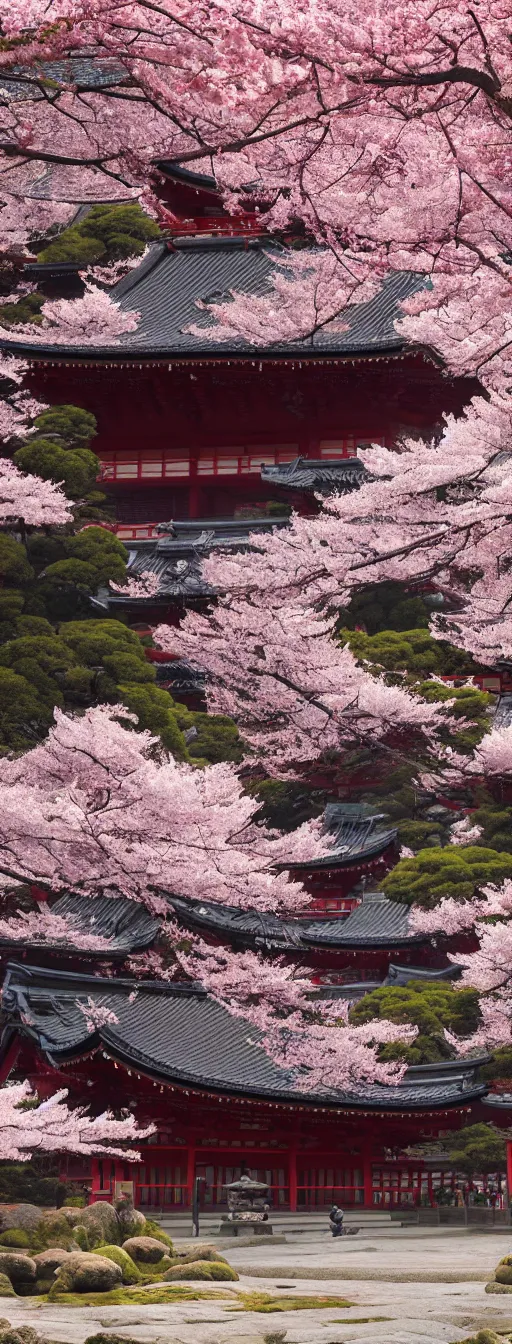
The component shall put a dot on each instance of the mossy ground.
(178, 1292)
(266, 1303)
(140, 1297)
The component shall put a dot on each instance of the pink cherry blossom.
(97, 1014)
(52, 1127)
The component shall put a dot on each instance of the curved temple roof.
(172, 280)
(175, 1033)
(127, 924)
(355, 835)
(375, 923)
(325, 478)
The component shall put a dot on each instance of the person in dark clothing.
(336, 1221)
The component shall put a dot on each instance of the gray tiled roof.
(355, 836)
(176, 557)
(176, 1033)
(128, 925)
(326, 478)
(167, 285)
(21, 83)
(376, 922)
(503, 713)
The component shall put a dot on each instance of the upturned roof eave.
(203, 354)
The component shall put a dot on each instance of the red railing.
(226, 225)
(243, 460)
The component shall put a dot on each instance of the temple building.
(202, 442)
(179, 1059)
(194, 428)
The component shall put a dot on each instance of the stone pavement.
(410, 1311)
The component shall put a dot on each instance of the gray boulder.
(19, 1268)
(145, 1250)
(101, 1224)
(26, 1216)
(86, 1273)
(47, 1262)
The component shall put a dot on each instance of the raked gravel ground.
(382, 1274)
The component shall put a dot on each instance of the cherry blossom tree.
(98, 807)
(311, 1036)
(102, 808)
(84, 321)
(51, 1127)
(38, 503)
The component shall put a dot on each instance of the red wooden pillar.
(509, 1172)
(191, 1172)
(292, 1176)
(96, 1180)
(367, 1174)
(431, 1199)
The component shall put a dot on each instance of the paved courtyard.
(395, 1280)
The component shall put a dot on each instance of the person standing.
(336, 1221)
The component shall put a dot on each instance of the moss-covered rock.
(152, 1229)
(81, 1237)
(47, 1262)
(132, 1222)
(24, 1333)
(6, 1288)
(484, 1337)
(15, 1236)
(101, 1224)
(504, 1274)
(86, 1273)
(120, 1257)
(43, 1286)
(105, 1337)
(200, 1269)
(202, 1253)
(19, 1268)
(26, 1216)
(52, 1229)
(498, 1287)
(144, 1250)
(72, 1215)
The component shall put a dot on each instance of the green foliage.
(22, 1183)
(155, 711)
(467, 703)
(500, 1066)
(286, 804)
(476, 1149)
(14, 565)
(15, 1236)
(83, 564)
(77, 469)
(24, 716)
(25, 309)
(108, 233)
(457, 871)
(43, 660)
(412, 651)
(386, 606)
(217, 739)
(429, 1007)
(496, 822)
(68, 425)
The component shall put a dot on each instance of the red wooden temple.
(210, 436)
